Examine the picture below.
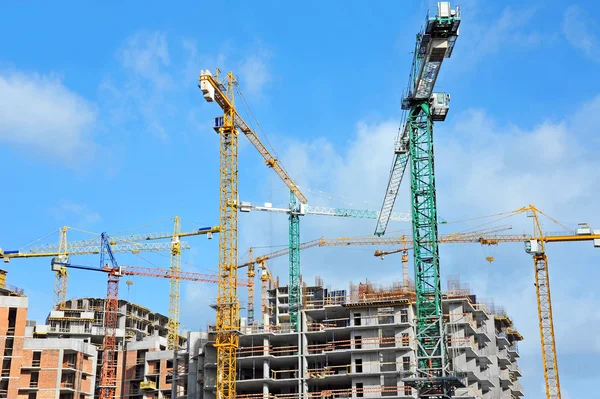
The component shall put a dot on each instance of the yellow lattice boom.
(228, 308)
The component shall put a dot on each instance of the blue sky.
(104, 129)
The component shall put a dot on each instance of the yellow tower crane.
(174, 291)
(228, 308)
(535, 245)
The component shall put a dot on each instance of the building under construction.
(61, 359)
(360, 343)
(355, 343)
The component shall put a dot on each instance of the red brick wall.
(3, 321)
(50, 358)
(48, 378)
(86, 384)
(48, 394)
(17, 351)
(163, 376)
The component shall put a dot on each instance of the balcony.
(481, 307)
(284, 374)
(504, 377)
(69, 365)
(513, 350)
(67, 386)
(465, 319)
(515, 370)
(503, 359)
(486, 378)
(65, 330)
(483, 333)
(467, 393)
(323, 372)
(33, 386)
(464, 343)
(35, 365)
(502, 339)
(517, 388)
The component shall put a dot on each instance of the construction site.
(426, 334)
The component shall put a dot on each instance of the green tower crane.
(434, 377)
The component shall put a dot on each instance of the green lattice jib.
(294, 283)
(431, 360)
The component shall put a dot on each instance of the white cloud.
(483, 34)
(254, 72)
(149, 78)
(76, 213)
(147, 55)
(581, 30)
(40, 114)
(508, 167)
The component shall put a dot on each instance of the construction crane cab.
(208, 90)
(583, 229)
(58, 263)
(533, 247)
(218, 124)
(439, 104)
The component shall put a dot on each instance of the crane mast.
(61, 278)
(434, 378)
(537, 248)
(294, 288)
(228, 308)
(108, 377)
(173, 333)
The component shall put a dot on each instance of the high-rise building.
(355, 343)
(361, 344)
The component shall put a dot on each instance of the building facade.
(356, 343)
(62, 358)
(361, 344)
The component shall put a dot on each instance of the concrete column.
(61, 354)
(266, 369)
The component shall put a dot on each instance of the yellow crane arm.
(467, 238)
(117, 240)
(92, 250)
(217, 94)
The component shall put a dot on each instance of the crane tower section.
(434, 376)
